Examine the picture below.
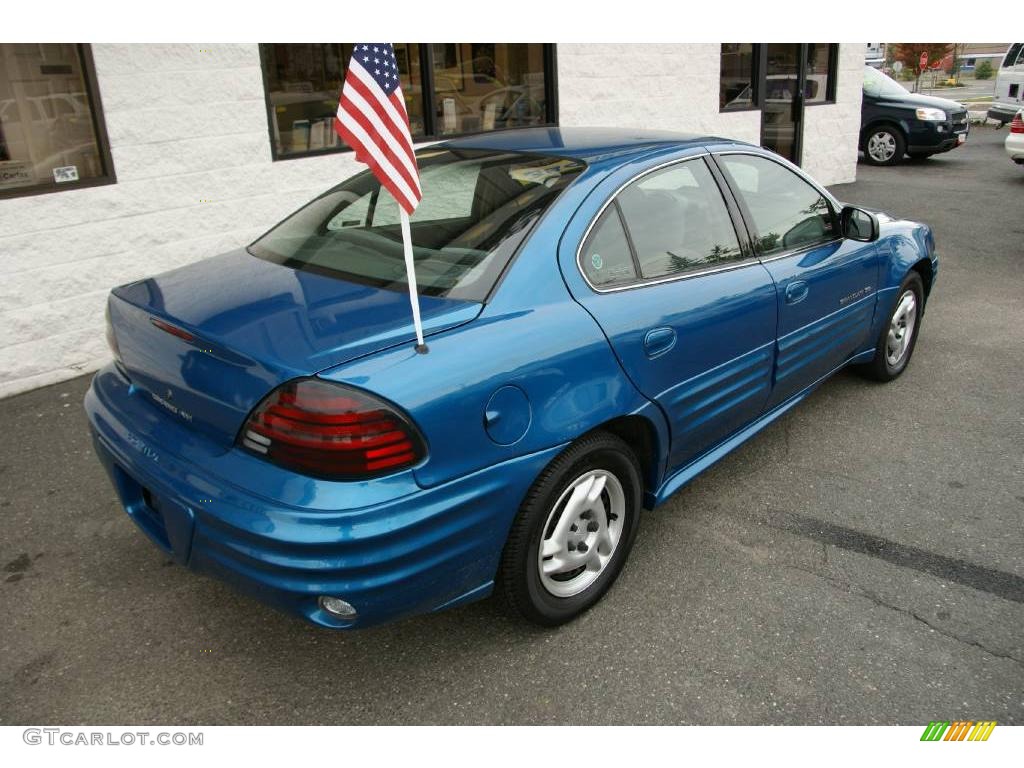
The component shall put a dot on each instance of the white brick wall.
(187, 123)
(831, 131)
(660, 87)
(675, 87)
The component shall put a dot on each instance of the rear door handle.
(797, 291)
(658, 341)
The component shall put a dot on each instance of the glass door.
(783, 107)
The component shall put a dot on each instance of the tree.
(984, 70)
(910, 54)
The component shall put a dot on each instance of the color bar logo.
(958, 730)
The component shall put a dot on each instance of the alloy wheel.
(882, 146)
(581, 533)
(901, 329)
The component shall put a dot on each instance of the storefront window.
(303, 82)
(818, 83)
(738, 77)
(473, 87)
(488, 86)
(51, 128)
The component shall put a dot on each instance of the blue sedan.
(607, 313)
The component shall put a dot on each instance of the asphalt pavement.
(859, 561)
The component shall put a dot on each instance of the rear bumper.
(388, 547)
(1015, 147)
(1002, 112)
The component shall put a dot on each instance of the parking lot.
(860, 561)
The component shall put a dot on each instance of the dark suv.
(895, 122)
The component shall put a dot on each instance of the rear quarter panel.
(531, 335)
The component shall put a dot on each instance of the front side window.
(1016, 50)
(787, 212)
(882, 86)
(51, 128)
(678, 221)
(477, 207)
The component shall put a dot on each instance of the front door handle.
(797, 291)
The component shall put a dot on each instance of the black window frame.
(760, 67)
(426, 58)
(99, 124)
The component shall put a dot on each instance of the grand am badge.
(166, 403)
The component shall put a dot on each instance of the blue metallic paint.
(431, 537)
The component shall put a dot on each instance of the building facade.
(122, 161)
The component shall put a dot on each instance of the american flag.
(372, 120)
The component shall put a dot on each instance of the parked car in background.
(1009, 88)
(607, 314)
(1015, 140)
(895, 122)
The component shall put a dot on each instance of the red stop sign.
(924, 61)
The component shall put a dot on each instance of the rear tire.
(898, 337)
(884, 145)
(573, 532)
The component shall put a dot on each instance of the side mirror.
(858, 224)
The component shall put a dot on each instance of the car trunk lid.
(208, 341)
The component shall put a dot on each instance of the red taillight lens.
(111, 338)
(332, 431)
(1017, 126)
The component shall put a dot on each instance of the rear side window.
(788, 212)
(607, 260)
(678, 221)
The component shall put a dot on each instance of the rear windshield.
(477, 207)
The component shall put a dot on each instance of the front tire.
(573, 532)
(884, 145)
(898, 336)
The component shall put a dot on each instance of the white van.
(1009, 94)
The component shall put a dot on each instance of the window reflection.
(788, 212)
(819, 64)
(303, 83)
(47, 133)
(736, 88)
(678, 221)
(488, 86)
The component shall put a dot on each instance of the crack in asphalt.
(859, 591)
(1007, 586)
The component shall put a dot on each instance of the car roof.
(587, 144)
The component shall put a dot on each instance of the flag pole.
(410, 270)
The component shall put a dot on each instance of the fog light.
(337, 607)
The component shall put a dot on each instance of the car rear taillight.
(111, 338)
(331, 431)
(1017, 126)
